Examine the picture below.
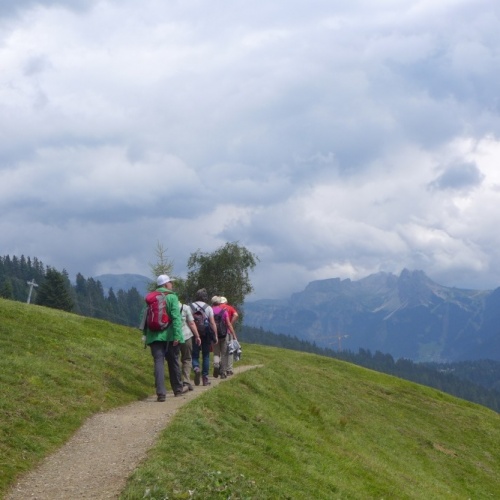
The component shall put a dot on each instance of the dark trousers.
(205, 353)
(166, 350)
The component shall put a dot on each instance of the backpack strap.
(198, 307)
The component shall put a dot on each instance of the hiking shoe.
(197, 376)
(161, 398)
(216, 371)
(206, 381)
(223, 375)
(230, 372)
(189, 386)
(182, 391)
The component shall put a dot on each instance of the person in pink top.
(233, 317)
(224, 331)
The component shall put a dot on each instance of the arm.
(235, 317)
(144, 313)
(175, 317)
(192, 327)
(229, 325)
(214, 326)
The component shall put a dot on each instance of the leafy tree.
(55, 291)
(223, 272)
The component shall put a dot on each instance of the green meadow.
(299, 426)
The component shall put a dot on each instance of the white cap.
(223, 300)
(162, 279)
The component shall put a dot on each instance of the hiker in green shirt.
(165, 343)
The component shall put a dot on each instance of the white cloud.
(330, 138)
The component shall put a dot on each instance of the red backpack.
(157, 318)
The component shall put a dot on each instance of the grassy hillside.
(56, 369)
(302, 426)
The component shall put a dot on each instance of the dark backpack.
(220, 323)
(157, 318)
(200, 318)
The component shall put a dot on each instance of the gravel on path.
(96, 462)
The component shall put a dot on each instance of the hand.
(175, 342)
(198, 341)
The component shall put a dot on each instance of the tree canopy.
(222, 272)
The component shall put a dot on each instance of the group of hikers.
(179, 333)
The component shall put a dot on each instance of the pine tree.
(54, 291)
(133, 306)
(6, 291)
(163, 265)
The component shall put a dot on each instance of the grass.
(304, 426)
(57, 369)
(301, 426)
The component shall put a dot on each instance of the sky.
(330, 138)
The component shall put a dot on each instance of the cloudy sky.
(330, 138)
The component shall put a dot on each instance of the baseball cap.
(223, 300)
(162, 279)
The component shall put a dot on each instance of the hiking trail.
(98, 459)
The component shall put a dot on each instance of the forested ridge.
(476, 381)
(54, 289)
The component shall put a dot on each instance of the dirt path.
(96, 462)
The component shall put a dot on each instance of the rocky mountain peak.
(408, 316)
(415, 288)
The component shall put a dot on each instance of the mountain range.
(124, 282)
(408, 316)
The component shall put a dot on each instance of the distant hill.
(409, 316)
(124, 282)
